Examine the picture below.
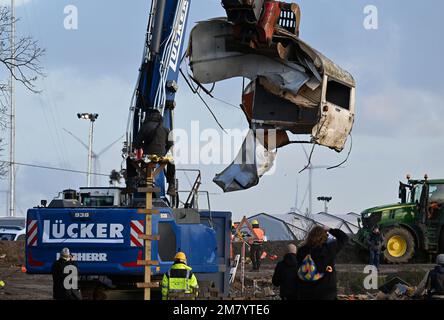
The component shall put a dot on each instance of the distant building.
(276, 227)
(294, 226)
(346, 222)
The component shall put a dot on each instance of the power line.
(226, 102)
(203, 100)
(52, 168)
(57, 139)
(348, 155)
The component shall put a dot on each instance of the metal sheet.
(300, 77)
(211, 61)
(327, 66)
(252, 162)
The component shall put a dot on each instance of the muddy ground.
(12, 253)
(17, 284)
(21, 286)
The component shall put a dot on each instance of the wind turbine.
(310, 169)
(95, 156)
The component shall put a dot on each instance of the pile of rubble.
(257, 285)
(12, 253)
(356, 297)
(394, 289)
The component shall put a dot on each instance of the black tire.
(409, 241)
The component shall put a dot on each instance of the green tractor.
(413, 226)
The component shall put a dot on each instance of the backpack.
(308, 271)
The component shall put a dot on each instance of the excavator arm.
(293, 87)
(157, 82)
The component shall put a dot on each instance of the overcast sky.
(398, 127)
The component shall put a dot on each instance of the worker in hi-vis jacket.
(179, 280)
(256, 245)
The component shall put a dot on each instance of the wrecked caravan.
(293, 86)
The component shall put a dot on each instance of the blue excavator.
(101, 226)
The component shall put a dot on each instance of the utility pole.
(296, 200)
(92, 117)
(12, 118)
(326, 201)
(90, 152)
(310, 189)
(6, 192)
(310, 169)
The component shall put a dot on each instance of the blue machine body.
(101, 240)
(104, 242)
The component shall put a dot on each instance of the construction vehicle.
(103, 227)
(12, 229)
(412, 227)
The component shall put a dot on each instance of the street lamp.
(326, 201)
(91, 117)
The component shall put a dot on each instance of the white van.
(12, 229)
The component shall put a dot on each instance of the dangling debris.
(293, 87)
(252, 162)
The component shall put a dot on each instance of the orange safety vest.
(260, 235)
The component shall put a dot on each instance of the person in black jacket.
(432, 286)
(153, 138)
(375, 244)
(59, 274)
(322, 251)
(286, 273)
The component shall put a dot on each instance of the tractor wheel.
(399, 245)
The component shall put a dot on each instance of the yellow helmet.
(255, 222)
(180, 256)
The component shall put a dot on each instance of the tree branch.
(22, 62)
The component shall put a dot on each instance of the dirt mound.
(350, 254)
(12, 253)
(278, 248)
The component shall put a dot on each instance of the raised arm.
(341, 239)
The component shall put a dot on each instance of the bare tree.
(22, 62)
(3, 165)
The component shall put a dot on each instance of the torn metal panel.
(211, 61)
(295, 87)
(252, 162)
(284, 115)
(321, 62)
(304, 98)
(336, 120)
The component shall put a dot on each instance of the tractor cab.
(413, 225)
(427, 195)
